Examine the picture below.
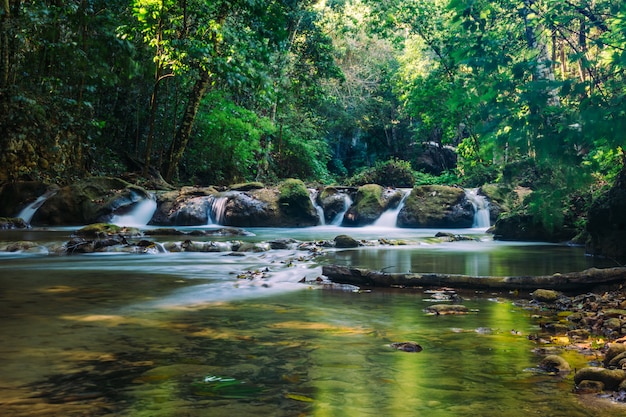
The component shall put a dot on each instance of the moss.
(98, 230)
(294, 198)
(247, 186)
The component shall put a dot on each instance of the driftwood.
(586, 279)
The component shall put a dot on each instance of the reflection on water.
(83, 341)
(213, 334)
(470, 258)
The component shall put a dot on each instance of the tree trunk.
(179, 144)
(583, 280)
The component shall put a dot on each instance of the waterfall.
(29, 211)
(347, 202)
(140, 214)
(317, 207)
(390, 217)
(217, 209)
(481, 208)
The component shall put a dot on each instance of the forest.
(396, 92)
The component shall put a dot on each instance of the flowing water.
(223, 334)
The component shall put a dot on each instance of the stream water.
(212, 334)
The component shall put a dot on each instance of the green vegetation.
(396, 92)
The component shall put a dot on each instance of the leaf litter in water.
(224, 387)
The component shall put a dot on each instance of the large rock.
(288, 205)
(370, 202)
(14, 196)
(606, 222)
(94, 200)
(436, 206)
(611, 378)
(189, 206)
(332, 201)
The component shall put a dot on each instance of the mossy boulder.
(611, 378)
(295, 203)
(368, 205)
(12, 223)
(554, 363)
(345, 241)
(436, 206)
(94, 200)
(333, 201)
(288, 205)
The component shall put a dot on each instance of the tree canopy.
(228, 90)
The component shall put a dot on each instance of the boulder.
(436, 206)
(14, 196)
(367, 207)
(288, 205)
(546, 296)
(345, 241)
(611, 378)
(333, 201)
(94, 200)
(554, 363)
(189, 206)
(445, 309)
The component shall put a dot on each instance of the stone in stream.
(443, 309)
(407, 346)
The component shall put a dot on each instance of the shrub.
(391, 173)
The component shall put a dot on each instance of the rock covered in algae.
(443, 309)
(554, 363)
(611, 378)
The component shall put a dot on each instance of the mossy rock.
(546, 296)
(12, 223)
(436, 206)
(367, 207)
(247, 186)
(94, 200)
(611, 378)
(100, 230)
(345, 241)
(554, 363)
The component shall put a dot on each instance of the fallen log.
(586, 279)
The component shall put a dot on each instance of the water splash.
(217, 209)
(139, 216)
(347, 202)
(319, 209)
(390, 217)
(481, 208)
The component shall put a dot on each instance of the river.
(212, 334)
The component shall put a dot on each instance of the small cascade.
(217, 209)
(140, 215)
(347, 202)
(481, 208)
(29, 211)
(390, 217)
(317, 207)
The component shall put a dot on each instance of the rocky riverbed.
(593, 324)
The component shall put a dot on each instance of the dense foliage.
(529, 92)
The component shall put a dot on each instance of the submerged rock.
(443, 309)
(407, 346)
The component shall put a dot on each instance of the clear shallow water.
(211, 334)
